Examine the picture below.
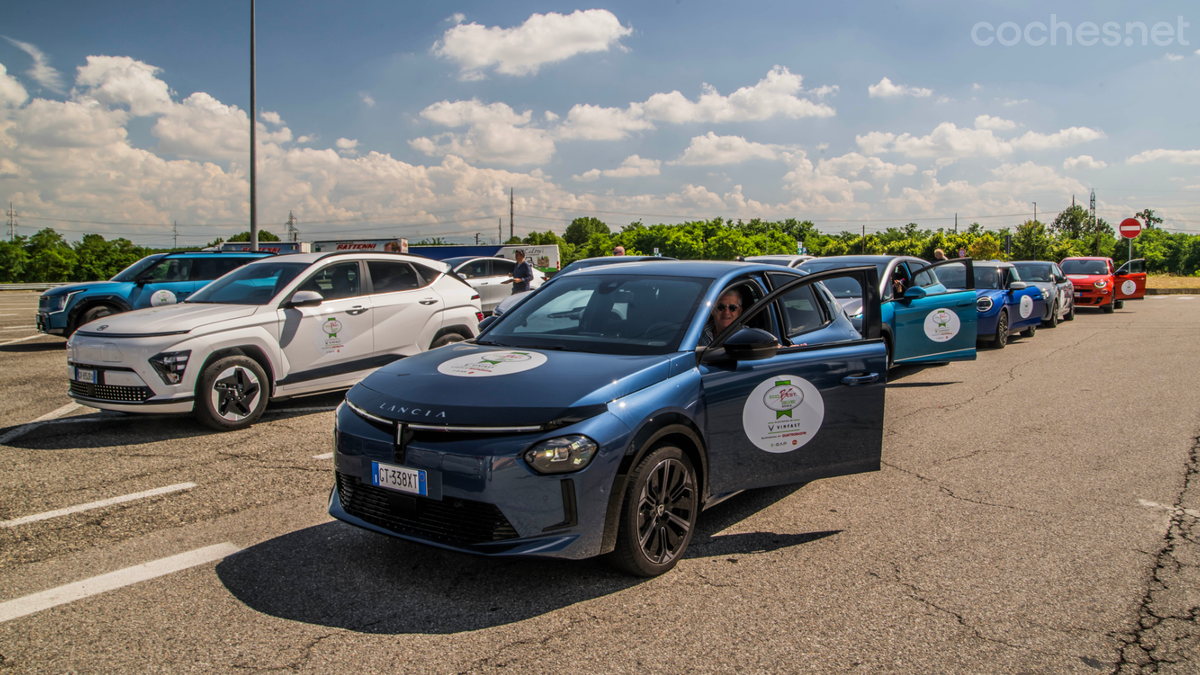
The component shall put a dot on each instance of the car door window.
(475, 268)
(170, 270)
(207, 269)
(336, 281)
(389, 277)
(801, 309)
(925, 278)
(503, 268)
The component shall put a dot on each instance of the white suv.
(275, 328)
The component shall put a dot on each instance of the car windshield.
(953, 275)
(603, 314)
(253, 284)
(1084, 267)
(1034, 271)
(135, 270)
(987, 278)
(844, 287)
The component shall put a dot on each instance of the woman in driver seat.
(728, 308)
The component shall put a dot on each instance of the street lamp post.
(253, 153)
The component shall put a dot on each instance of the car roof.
(991, 263)
(865, 259)
(1086, 257)
(710, 269)
(221, 254)
(311, 258)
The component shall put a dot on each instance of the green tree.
(435, 241)
(1147, 216)
(580, 231)
(1031, 242)
(263, 235)
(51, 258)
(985, 248)
(13, 260)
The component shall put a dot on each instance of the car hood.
(1086, 279)
(853, 306)
(507, 303)
(566, 388)
(182, 318)
(85, 286)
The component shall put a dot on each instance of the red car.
(1099, 284)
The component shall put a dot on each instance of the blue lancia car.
(159, 279)
(924, 321)
(1006, 304)
(601, 415)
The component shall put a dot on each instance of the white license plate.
(88, 376)
(1078, 295)
(399, 478)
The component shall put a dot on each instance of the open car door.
(1131, 280)
(778, 415)
(935, 319)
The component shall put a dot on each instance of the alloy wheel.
(665, 511)
(235, 393)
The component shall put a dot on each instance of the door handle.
(966, 303)
(356, 310)
(854, 380)
(428, 301)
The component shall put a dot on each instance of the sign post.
(1130, 228)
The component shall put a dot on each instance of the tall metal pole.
(253, 143)
(1035, 212)
(510, 213)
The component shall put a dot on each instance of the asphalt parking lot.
(1036, 513)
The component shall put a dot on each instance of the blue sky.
(415, 118)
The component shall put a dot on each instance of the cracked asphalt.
(1036, 513)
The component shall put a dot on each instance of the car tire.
(1070, 315)
(231, 394)
(447, 339)
(887, 345)
(1029, 332)
(1052, 322)
(1118, 304)
(1001, 336)
(1108, 309)
(658, 514)
(91, 315)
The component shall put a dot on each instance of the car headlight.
(59, 303)
(1100, 284)
(170, 365)
(561, 455)
(1045, 294)
(983, 304)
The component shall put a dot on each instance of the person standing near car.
(938, 255)
(619, 250)
(522, 275)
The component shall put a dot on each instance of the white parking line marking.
(1186, 297)
(70, 407)
(30, 604)
(27, 337)
(19, 328)
(1155, 505)
(328, 455)
(96, 505)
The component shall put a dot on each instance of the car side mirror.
(142, 281)
(1017, 286)
(751, 344)
(487, 322)
(915, 293)
(305, 299)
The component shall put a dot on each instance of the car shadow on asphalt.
(34, 347)
(340, 576)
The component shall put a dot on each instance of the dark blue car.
(159, 279)
(596, 417)
(1004, 302)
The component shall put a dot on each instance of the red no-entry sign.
(1131, 227)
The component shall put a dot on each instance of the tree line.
(47, 257)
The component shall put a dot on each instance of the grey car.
(1057, 289)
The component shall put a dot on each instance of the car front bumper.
(1092, 297)
(482, 497)
(45, 323)
(122, 378)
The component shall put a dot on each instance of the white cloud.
(551, 117)
(120, 80)
(542, 39)
(823, 91)
(632, 167)
(456, 18)
(594, 123)
(346, 146)
(12, 94)
(1170, 58)
(272, 117)
(854, 165)
(496, 134)
(68, 124)
(1082, 162)
(1013, 101)
(885, 89)
(994, 123)
(41, 72)
(201, 127)
(947, 141)
(976, 87)
(773, 96)
(711, 149)
(367, 99)
(1172, 156)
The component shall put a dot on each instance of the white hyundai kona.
(275, 328)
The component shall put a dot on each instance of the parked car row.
(596, 415)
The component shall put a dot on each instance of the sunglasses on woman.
(732, 308)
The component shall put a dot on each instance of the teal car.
(923, 320)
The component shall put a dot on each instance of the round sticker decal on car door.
(941, 325)
(488, 364)
(1026, 306)
(783, 413)
(1128, 287)
(160, 298)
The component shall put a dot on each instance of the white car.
(487, 276)
(275, 328)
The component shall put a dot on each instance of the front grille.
(44, 304)
(458, 522)
(106, 392)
